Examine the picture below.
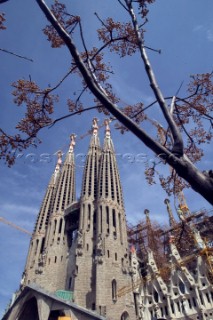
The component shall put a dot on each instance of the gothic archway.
(29, 310)
(125, 316)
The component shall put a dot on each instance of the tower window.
(114, 290)
(108, 253)
(101, 218)
(89, 217)
(113, 218)
(60, 225)
(36, 248)
(120, 228)
(70, 282)
(42, 245)
(54, 226)
(116, 256)
(107, 215)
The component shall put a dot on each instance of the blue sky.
(183, 30)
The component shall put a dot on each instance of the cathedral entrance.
(29, 311)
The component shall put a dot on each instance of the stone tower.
(99, 258)
(81, 268)
(47, 258)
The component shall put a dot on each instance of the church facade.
(79, 265)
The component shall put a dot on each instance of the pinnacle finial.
(58, 165)
(95, 126)
(166, 201)
(146, 212)
(72, 142)
(172, 221)
(107, 129)
(59, 155)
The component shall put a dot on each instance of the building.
(81, 246)
(80, 266)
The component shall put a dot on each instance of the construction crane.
(13, 225)
(202, 248)
(122, 291)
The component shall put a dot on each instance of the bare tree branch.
(178, 142)
(95, 88)
(72, 114)
(15, 54)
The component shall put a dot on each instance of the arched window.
(107, 214)
(125, 316)
(70, 283)
(55, 221)
(60, 225)
(36, 248)
(113, 218)
(88, 217)
(114, 290)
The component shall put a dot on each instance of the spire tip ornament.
(107, 129)
(166, 201)
(59, 156)
(146, 212)
(72, 142)
(95, 126)
(58, 165)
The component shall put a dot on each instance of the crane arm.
(13, 225)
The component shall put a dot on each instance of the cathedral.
(81, 264)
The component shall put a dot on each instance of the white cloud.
(208, 31)
(9, 207)
(198, 28)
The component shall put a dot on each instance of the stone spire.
(81, 276)
(51, 263)
(66, 193)
(149, 229)
(110, 192)
(111, 240)
(172, 221)
(90, 177)
(40, 231)
(101, 238)
(108, 144)
(109, 186)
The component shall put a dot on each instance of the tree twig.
(72, 114)
(15, 54)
